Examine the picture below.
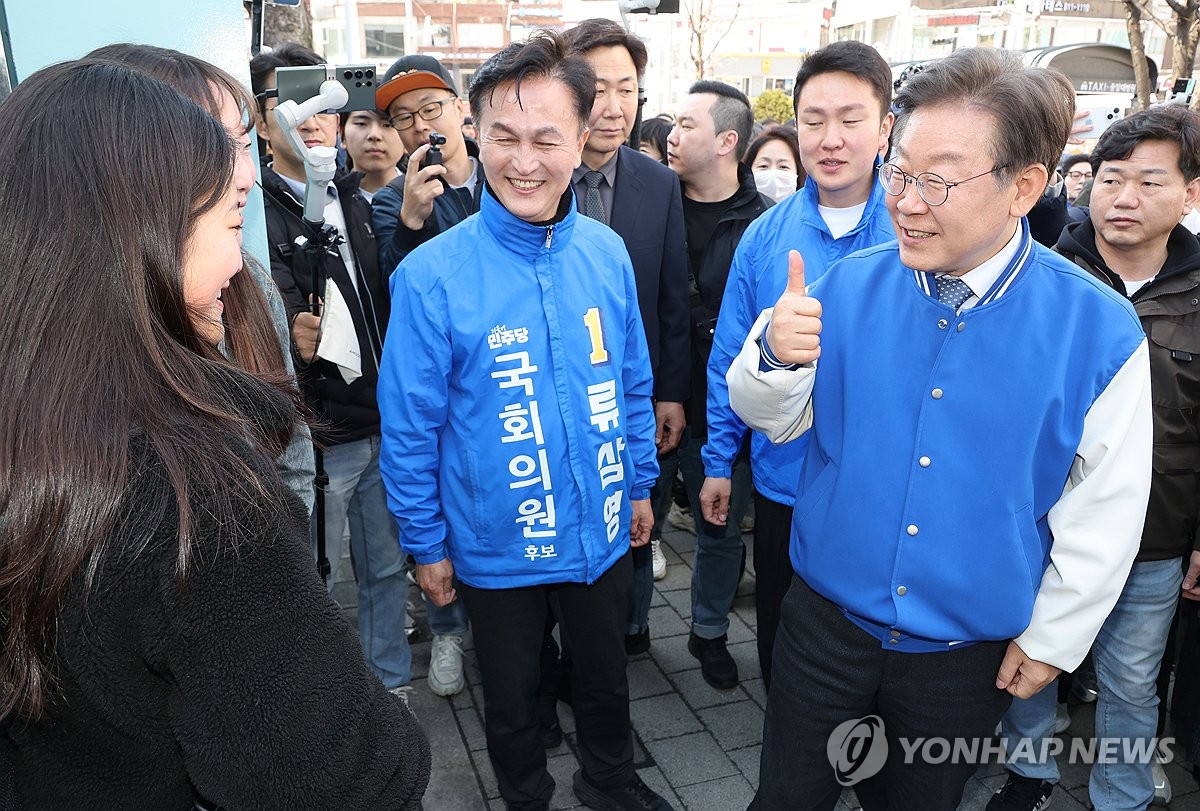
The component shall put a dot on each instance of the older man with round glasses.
(978, 460)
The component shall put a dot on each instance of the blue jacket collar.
(808, 195)
(520, 237)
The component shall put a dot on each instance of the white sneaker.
(446, 665)
(402, 692)
(660, 560)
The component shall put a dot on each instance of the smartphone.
(1101, 118)
(301, 84)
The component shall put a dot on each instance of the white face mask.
(775, 183)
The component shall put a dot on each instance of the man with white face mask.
(711, 132)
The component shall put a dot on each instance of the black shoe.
(1022, 794)
(716, 665)
(637, 643)
(633, 796)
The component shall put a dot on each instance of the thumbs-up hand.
(795, 332)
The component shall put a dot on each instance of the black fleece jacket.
(246, 687)
(1169, 309)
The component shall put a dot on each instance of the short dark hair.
(287, 55)
(730, 111)
(1033, 109)
(1071, 160)
(600, 33)
(1164, 122)
(857, 59)
(543, 56)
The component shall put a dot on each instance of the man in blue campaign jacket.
(972, 494)
(843, 96)
(518, 426)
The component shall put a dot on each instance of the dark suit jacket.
(648, 215)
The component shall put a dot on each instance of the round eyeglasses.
(402, 121)
(933, 189)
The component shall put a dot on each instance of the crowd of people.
(954, 375)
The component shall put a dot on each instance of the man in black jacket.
(638, 198)
(419, 97)
(337, 357)
(720, 199)
(1147, 176)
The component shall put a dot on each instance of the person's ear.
(1030, 184)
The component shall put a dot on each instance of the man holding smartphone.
(420, 100)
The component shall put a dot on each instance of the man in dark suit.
(638, 198)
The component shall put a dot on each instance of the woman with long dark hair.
(164, 637)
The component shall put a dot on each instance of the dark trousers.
(772, 572)
(509, 626)
(828, 671)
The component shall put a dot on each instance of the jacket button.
(895, 634)
(893, 641)
(943, 323)
(937, 394)
(911, 529)
(902, 591)
(961, 326)
(924, 461)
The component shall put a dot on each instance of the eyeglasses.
(1079, 175)
(934, 189)
(402, 121)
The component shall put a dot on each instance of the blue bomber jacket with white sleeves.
(515, 400)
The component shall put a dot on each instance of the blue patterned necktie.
(593, 206)
(953, 291)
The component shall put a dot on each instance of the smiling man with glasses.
(978, 462)
(419, 97)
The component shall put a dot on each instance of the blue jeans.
(356, 496)
(720, 552)
(446, 619)
(1127, 655)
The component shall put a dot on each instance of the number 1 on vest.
(591, 319)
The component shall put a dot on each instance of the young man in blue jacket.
(519, 425)
(842, 98)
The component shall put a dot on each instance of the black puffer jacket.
(708, 287)
(246, 687)
(347, 411)
(1169, 308)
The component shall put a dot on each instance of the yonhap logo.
(857, 749)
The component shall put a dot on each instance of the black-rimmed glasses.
(402, 121)
(933, 189)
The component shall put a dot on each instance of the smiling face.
(615, 107)
(841, 136)
(1137, 201)
(212, 256)
(529, 148)
(979, 216)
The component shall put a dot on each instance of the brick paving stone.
(697, 693)
(746, 656)
(664, 716)
(691, 759)
(470, 722)
(727, 794)
(646, 679)
(756, 690)
(665, 622)
(735, 726)
(679, 578)
(653, 777)
(672, 654)
(741, 632)
(747, 761)
(681, 601)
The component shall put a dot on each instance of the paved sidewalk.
(697, 746)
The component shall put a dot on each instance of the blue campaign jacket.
(941, 441)
(518, 370)
(756, 281)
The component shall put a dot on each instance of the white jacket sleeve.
(1096, 526)
(774, 402)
